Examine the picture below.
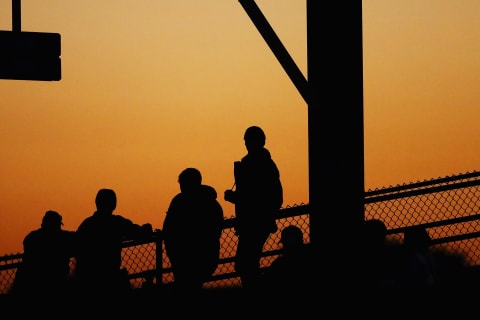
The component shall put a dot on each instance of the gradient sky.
(150, 87)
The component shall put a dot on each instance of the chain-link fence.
(449, 208)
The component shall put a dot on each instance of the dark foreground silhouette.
(457, 300)
(453, 291)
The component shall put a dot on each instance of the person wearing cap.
(258, 197)
(45, 266)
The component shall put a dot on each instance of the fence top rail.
(446, 183)
(436, 224)
(10, 257)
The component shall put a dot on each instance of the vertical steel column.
(335, 129)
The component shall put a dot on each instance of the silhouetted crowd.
(381, 270)
(191, 233)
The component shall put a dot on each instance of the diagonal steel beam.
(276, 46)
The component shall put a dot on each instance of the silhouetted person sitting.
(291, 271)
(191, 231)
(379, 260)
(420, 264)
(258, 198)
(100, 240)
(45, 267)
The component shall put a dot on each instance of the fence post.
(158, 258)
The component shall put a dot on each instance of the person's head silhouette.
(106, 200)
(254, 138)
(416, 238)
(375, 233)
(291, 238)
(52, 220)
(189, 179)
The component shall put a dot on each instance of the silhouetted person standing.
(258, 198)
(45, 267)
(191, 231)
(100, 239)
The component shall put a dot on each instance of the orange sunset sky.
(150, 87)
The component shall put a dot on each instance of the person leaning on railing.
(99, 247)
